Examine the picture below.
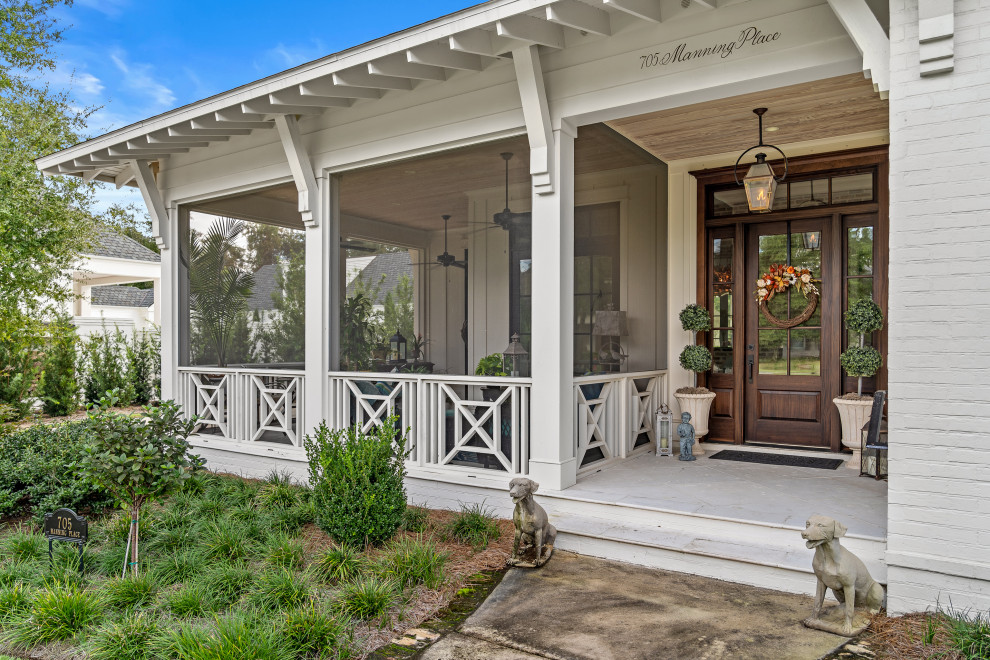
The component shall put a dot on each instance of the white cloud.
(138, 77)
(285, 57)
(111, 8)
(80, 82)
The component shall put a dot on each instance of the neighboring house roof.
(393, 265)
(117, 246)
(118, 295)
(265, 286)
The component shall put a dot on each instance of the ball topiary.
(861, 361)
(695, 318)
(864, 316)
(696, 358)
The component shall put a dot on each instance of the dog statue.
(533, 530)
(841, 571)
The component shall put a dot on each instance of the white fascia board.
(95, 266)
(440, 29)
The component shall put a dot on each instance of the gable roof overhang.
(469, 40)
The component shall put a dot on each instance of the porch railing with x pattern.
(247, 405)
(615, 414)
(452, 421)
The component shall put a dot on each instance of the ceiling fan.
(446, 259)
(506, 218)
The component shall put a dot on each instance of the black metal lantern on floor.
(760, 182)
(397, 348)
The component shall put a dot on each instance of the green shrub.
(144, 359)
(104, 367)
(282, 551)
(24, 572)
(58, 612)
(38, 470)
(696, 358)
(20, 367)
(129, 638)
(129, 591)
(338, 564)
(410, 562)
(312, 631)
(58, 388)
(358, 493)
(369, 597)
(415, 519)
(476, 525)
(695, 318)
(277, 590)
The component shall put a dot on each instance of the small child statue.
(685, 431)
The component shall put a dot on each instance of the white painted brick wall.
(938, 542)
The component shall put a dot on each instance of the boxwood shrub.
(38, 471)
(358, 494)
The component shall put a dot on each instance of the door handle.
(749, 362)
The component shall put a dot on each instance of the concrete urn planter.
(700, 406)
(853, 415)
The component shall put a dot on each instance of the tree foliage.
(218, 287)
(138, 458)
(27, 37)
(58, 388)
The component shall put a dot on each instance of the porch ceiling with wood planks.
(826, 108)
(416, 192)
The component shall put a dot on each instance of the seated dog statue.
(841, 571)
(533, 530)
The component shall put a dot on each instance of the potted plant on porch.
(696, 358)
(491, 365)
(863, 316)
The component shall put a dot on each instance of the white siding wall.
(939, 357)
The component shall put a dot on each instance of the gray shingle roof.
(264, 287)
(393, 265)
(118, 295)
(117, 246)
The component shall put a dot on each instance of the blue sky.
(138, 58)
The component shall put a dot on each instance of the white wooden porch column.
(552, 462)
(321, 259)
(167, 301)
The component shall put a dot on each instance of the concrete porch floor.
(773, 494)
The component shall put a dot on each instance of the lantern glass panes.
(664, 431)
(760, 185)
(397, 348)
(511, 355)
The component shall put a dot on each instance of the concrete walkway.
(582, 608)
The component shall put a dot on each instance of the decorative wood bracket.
(870, 39)
(301, 167)
(536, 112)
(152, 199)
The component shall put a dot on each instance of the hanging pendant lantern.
(760, 182)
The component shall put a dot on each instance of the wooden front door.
(786, 395)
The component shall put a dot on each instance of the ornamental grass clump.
(338, 564)
(357, 478)
(476, 525)
(368, 597)
(58, 612)
(862, 317)
(414, 561)
(696, 358)
(130, 638)
(313, 631)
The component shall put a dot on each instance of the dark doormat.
(779, 459)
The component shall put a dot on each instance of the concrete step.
(750, 552)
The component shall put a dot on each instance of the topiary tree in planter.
(696, 358)
(862, 361)
(863, 316)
